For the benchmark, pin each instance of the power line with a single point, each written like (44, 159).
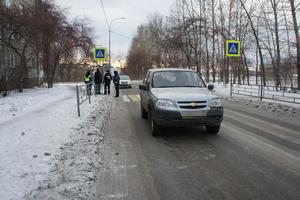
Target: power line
(101, 2)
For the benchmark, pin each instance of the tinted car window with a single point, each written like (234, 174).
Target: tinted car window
(177, 79)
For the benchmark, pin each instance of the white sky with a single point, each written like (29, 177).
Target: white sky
(135, 12)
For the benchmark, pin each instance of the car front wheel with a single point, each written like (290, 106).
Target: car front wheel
(155, 128)
(213, 129)
(144, 113)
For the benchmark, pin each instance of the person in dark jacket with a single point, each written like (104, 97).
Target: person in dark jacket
(88, 81)
(117, 82)
(98, 81)
(107, 80)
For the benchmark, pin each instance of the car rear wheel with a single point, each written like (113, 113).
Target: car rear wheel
(155, 128)
(213, 129)
(144, 113)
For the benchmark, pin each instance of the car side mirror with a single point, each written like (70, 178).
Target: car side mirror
(210, 86)
(144, 87)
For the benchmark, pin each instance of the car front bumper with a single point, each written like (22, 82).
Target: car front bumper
(212, 117)
(125, 85)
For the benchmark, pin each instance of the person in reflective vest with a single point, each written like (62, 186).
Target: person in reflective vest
(88, 81)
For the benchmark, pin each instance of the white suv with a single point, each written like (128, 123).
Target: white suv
(179, 97)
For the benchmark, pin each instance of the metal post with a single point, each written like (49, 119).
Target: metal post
(231, 84)
(109, 48)
(261, 85)
(78, 103)
(89, 91)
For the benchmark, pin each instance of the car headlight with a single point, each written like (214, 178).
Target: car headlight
(165, 104)
(215, 102)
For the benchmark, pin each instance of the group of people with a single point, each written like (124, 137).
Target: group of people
(107, 78)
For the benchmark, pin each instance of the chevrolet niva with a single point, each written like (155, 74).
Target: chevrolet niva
(179, 97)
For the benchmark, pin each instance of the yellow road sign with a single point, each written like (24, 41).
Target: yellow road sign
(100, 54)
(233, 48)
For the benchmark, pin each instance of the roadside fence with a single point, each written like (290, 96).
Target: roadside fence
(83, 93)
(284, 94)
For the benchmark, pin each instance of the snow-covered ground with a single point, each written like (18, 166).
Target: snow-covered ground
(40, 134)
(47, 152)
(290, 110)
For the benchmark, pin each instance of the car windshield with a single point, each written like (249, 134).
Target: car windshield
(177, 79)
(124, 78)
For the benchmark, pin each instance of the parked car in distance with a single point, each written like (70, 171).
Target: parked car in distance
(179, 97)
(125, 81)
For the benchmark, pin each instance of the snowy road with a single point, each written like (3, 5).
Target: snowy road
(47, 152)
(255, 156)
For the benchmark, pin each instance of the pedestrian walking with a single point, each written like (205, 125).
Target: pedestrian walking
(88, 81)
(107, 80)
(116, 82)
(98, 81)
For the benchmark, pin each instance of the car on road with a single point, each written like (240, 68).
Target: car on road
(179, 97)
(125, 81)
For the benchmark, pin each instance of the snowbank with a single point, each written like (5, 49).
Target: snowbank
(289, 110)
(74, 173)
(33, 126)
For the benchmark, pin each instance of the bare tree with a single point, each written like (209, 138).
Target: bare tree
(296, 30)
(40, 30)
(18, 33)
(262, 65)
(194, 36)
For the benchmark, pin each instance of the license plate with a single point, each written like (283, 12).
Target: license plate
(189, 117)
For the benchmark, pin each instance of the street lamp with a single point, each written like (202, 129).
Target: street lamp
(109, 61)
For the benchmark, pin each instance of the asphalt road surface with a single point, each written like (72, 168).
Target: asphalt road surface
(254, 156)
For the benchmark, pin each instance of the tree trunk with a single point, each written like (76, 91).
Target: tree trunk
(206, 42)
(276, 65)
(262, 66)
(247, 69)
(213, 41)
(293, 11)
(22, 72)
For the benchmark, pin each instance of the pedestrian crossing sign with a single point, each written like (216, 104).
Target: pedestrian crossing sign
(100, 53)
(233, 48)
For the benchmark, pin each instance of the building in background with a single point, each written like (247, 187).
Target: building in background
(9, 60)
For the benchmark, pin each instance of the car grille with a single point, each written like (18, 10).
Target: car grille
(192, 104)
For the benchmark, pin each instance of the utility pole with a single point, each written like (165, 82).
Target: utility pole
(109, 38)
